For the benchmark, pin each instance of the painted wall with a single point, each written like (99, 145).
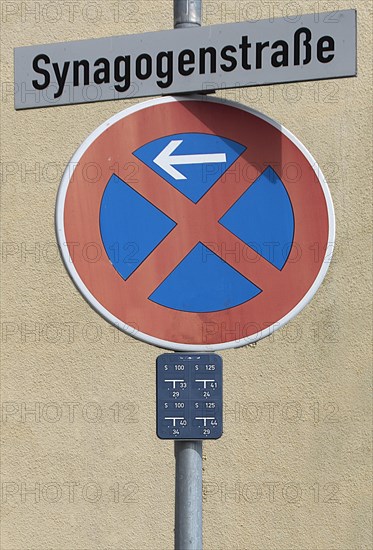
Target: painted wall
(82, 467)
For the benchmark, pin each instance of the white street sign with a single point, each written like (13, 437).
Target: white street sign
(251, 53)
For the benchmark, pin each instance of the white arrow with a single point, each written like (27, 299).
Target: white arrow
(167, 162)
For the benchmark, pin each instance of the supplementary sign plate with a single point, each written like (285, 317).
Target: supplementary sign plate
(189, 396)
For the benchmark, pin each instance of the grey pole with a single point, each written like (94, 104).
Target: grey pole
(188, 454)
(187, 13)
(188, 495)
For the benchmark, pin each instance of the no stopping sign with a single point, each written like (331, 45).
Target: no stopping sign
(194, 223)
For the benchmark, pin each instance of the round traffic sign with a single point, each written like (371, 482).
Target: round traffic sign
(195, 223)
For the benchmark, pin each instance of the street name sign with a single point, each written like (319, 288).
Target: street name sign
(251, 53)
(195, 224)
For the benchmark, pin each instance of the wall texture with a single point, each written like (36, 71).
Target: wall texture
(81, 465)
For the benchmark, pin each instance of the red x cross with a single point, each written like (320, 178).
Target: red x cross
(128, 301)
(195, 223)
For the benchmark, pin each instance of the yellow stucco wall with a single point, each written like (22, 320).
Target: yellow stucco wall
(292, 469)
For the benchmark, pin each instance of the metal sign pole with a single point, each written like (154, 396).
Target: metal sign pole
(188, 454)
(188, 495)
(187, 13)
